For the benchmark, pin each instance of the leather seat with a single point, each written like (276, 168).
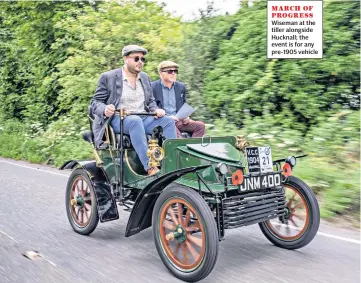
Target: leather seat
(88, 136)
(126, 140)
(186, 135)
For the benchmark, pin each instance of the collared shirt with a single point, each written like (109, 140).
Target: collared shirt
(169, 99)
(132, 99)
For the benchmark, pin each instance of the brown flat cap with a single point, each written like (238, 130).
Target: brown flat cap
(166, 65)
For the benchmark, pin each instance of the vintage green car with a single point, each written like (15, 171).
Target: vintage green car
(205, 186)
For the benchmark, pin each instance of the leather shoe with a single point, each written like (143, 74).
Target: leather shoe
(152, 171)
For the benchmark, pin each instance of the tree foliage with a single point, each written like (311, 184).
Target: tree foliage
(296, 92)
(28, 59)
(202, 39)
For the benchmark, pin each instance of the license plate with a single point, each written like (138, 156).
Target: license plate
(259, 159)
(253, 183)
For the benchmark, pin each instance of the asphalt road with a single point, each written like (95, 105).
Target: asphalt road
(33, 218)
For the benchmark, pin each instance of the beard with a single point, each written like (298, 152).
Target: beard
(134, 69)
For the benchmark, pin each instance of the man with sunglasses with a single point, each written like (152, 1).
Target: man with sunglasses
(129, 88)
(170, 95)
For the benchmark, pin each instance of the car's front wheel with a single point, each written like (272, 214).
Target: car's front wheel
(300, 223)
(185, 233)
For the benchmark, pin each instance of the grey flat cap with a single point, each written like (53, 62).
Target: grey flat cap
(132, 49)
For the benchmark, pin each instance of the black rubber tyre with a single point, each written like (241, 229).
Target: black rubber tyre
(195, 216)
(311, 218)
(89, 210)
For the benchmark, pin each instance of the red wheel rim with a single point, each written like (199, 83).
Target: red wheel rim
(187, 255)
(81, 213)
(298, 219)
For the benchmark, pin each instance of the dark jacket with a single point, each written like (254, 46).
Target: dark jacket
(180, 94)
(109, 91)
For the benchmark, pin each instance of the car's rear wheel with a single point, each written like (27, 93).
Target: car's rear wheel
(300, 223)
(185, 233)
(80, 202)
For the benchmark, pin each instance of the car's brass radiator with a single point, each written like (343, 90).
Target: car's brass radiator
(250, 208)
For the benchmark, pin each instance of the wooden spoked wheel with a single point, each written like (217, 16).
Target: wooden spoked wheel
(182, 234)
(80, 202)
(299, 224)
(295, 221)
(185, 233)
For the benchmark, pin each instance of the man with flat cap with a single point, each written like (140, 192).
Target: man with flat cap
(129, 88)
(170, 95)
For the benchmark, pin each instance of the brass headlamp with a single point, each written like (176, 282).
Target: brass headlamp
(242, 143)
(155, 153)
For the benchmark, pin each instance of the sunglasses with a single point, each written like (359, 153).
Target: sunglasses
(137, 58)
(171, 72)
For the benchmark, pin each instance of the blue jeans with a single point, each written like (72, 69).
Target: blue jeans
(138, 126)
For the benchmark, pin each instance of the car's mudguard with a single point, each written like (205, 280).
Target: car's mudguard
(107, 206)
(141, 215)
